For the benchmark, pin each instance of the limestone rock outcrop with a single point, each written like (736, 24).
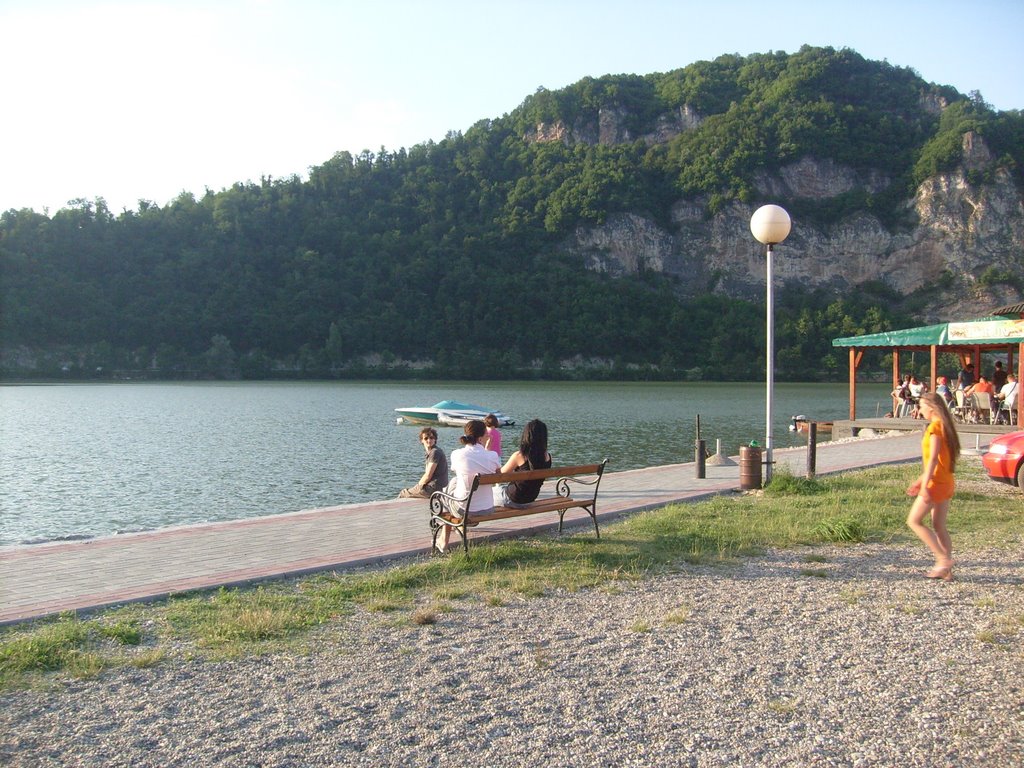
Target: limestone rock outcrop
(964, 224)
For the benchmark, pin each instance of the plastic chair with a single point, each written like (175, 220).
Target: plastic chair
(983, 407)
(1009, 407)
(960, 409)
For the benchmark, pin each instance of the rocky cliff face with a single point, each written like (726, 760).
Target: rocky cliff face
(962, 231)
(608, 126)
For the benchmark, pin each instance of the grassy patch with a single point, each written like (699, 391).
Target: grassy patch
(782, 706)
(542, 657)
(148, 659)
(1002, 630)
(123, 632)
(852, 596)
(785, 483)
(678, 615)
(53, 646)
(229, 618)
(862, 506)
(423, 616)
(840, 529)
(817, 573)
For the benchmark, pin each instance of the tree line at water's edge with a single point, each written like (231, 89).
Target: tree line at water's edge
(446, 260)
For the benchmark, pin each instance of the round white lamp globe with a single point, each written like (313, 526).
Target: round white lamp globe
(770, 224)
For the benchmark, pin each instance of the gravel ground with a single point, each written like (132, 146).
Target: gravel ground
(776, 661)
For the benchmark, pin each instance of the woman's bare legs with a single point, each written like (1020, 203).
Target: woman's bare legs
(937, 541)
(939, 514)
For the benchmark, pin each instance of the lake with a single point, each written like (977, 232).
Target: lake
(83, 460)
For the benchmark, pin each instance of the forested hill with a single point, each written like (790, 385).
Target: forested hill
(599, 230)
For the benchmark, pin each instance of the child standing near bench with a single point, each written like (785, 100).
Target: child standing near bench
(532, 454)
(492, 437)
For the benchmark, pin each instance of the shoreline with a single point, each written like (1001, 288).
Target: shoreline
(76, 538)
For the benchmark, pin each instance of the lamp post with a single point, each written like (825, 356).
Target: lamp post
(770, 225)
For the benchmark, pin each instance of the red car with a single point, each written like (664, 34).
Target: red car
(1005, 459)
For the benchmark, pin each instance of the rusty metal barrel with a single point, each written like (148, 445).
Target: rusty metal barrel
(750, 467)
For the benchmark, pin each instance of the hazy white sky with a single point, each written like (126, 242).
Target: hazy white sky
(140, 99)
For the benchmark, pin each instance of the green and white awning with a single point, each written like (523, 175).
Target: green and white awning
(988, 331)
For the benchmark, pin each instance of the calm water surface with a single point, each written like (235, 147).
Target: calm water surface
(95, 459)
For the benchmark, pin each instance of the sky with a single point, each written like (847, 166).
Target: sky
(131, 100)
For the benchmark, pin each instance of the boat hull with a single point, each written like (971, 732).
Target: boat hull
(802, 425)
(449, 413)
(420, 417)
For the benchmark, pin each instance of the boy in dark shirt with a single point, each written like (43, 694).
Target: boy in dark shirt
(435, 473)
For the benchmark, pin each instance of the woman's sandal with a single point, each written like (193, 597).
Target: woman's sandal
(944, 572)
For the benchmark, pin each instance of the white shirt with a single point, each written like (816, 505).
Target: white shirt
(1009, 392)
(468, 462)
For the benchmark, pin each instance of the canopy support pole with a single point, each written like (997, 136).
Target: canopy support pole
(855, 358)
(897, 379)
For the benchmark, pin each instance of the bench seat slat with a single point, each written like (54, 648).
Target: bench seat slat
(533, 508)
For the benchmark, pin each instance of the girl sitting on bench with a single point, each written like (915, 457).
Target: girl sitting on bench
(532, 454)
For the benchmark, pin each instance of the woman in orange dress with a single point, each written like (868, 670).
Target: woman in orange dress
(934, 488)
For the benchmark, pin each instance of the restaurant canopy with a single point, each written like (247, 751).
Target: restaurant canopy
(1001, 333)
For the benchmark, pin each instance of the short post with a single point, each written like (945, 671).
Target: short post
(700, 456)
(812, 449)
(750, 467)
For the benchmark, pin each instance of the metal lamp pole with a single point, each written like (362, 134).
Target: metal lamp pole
(770, 225)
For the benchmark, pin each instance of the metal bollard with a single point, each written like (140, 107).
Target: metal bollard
(812, 449)
(700, 456)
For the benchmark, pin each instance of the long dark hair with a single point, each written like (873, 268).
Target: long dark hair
(474, 431)
(941, 412)
(534, 442)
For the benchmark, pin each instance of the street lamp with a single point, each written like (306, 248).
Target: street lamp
(770, 225)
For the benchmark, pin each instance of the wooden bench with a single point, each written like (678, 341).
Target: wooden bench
(445, 508)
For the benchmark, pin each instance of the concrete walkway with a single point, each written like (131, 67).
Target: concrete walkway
(44, 579)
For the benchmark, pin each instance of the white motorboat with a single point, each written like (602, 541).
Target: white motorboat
(449, 413)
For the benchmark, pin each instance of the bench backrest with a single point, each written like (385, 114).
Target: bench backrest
(539, 474)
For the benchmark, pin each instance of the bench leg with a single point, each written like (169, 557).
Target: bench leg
(435, 529)
(437, 526)
(592, 511)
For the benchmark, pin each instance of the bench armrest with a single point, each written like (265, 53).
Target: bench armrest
(562, 486)
(441, 503)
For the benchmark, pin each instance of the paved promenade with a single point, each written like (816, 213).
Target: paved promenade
(44, 579)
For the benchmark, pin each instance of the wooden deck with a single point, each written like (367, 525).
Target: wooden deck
(848, 428)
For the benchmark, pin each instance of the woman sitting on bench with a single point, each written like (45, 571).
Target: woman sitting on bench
(468, 462)
(532, 454)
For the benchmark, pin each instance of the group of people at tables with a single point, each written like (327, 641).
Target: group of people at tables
(480, 454)
(998, 407)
